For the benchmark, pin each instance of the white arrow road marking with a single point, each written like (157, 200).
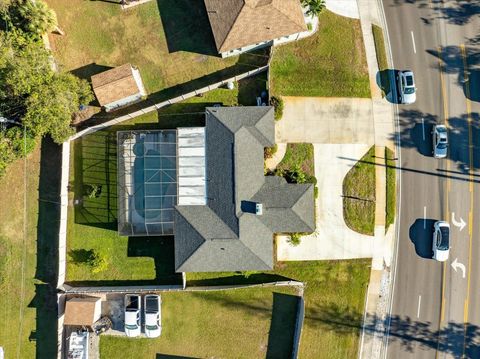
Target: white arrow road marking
(460, 224)
(456, 265)
(413, 41)
(419, 302)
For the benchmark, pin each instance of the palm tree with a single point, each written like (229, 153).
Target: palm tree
(36, 17)
(315, 7)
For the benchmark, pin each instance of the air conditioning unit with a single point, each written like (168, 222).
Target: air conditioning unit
(258, 209)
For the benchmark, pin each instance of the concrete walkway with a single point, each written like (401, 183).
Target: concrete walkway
(271, 163)
(379, 289)
(347, 8)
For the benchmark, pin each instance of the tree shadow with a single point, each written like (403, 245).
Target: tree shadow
(161, 249)
(282, 325)
(457, 13)
(186, 26)
(48, 225)
(421, 235)
(251, 88)
(95, 164)
(411, 334)
(168, 356)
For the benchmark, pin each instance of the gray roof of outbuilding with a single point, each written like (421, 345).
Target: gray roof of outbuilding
(226, 234)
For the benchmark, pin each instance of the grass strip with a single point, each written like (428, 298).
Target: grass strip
(391, 190)
(359, 195)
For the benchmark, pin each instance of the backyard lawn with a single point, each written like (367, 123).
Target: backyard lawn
(28, 263)
(170, 41)
(243, 323)
(330, 63)
(334, 301)
(92, 222)
(359, 195)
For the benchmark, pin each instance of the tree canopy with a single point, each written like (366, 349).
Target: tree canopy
(31, 91)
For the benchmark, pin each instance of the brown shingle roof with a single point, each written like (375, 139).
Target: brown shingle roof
(80, 311)
(238, 23)
(114, 84)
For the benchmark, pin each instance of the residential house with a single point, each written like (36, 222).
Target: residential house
(243, 25)
(210, 192)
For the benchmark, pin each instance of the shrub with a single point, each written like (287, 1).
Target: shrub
(270, 151)
(315, 7)
(309, 26)
(92, 190)
(315, 192)
(277, 103)
(295, 239)
(96, 260)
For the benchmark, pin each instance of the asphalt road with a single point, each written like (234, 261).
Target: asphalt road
(436, 309)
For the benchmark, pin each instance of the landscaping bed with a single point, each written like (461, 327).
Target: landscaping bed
(241, 323)
(359, 195)
(330, 63)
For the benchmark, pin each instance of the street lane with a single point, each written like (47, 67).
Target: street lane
(427, 40)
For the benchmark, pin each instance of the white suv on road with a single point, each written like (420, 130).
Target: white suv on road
(406, 87)
(441, 241)
(440, 141)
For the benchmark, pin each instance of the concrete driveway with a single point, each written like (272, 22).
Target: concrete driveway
(332, 239)
(326, 120)
(341, 130)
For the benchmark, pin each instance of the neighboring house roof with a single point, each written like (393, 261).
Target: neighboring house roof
(239, 23)
(82, 311)
(226, 234)
(115, 84)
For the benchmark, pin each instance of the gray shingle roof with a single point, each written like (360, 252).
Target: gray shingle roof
(226, 234)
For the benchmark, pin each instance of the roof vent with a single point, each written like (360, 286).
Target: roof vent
(259, 209)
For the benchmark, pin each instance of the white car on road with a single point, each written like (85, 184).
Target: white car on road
(441, 241)
(406, 87)
(440, 141)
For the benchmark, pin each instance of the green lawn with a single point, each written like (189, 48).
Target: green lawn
(359, 195)
(391, 187)
(334, 299)
(92, 222)
(170, 41)
(244, 323)
(330, 63)
(381, 58)
(28, 264)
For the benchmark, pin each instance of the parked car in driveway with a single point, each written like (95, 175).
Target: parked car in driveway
(441, 241)
(406, 87)
(133, 305)
(440, 141)
(153, 315)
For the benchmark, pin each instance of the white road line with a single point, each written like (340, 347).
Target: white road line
(419, 302)
(424, 217)
(423, 129)
(413, 41)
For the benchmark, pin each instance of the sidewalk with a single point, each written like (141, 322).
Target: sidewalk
(379, 289)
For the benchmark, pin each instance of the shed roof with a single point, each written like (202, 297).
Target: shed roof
(239, 23)
(115, 84)
(81, 311)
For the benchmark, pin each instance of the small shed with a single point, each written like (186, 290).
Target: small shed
(82, 311)
(118, 87)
